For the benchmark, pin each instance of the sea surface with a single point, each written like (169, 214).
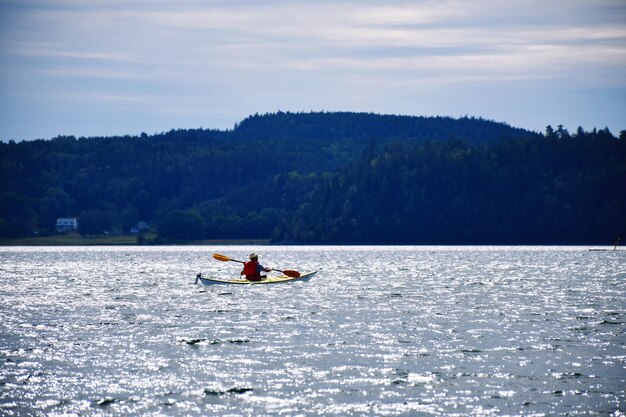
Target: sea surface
(379, 331)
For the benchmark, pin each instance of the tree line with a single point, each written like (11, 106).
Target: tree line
(556, 189)
(324, 178)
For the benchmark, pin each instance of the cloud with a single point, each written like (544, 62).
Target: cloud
(50, 50)
(327, 36)
(219, 54)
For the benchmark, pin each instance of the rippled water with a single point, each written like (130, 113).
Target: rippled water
(378, 331)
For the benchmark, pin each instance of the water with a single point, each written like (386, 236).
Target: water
(379, 331)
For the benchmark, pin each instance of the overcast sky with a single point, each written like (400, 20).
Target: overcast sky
(105, 67)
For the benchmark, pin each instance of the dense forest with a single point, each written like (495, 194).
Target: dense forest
(326, 178)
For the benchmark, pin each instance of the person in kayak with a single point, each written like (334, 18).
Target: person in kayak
(252, 269)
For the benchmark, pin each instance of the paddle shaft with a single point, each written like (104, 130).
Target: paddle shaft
(288, 272)
(271, 269)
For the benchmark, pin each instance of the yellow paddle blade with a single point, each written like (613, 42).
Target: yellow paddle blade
(221, 257)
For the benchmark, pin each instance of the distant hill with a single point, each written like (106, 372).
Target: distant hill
(320, 177)
(520, 191)
(341, 126)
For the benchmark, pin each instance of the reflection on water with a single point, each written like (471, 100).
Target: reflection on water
(378, 331)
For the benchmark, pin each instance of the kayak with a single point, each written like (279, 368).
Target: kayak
(279, 279)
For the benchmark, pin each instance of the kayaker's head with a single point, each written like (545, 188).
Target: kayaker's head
(253, 256)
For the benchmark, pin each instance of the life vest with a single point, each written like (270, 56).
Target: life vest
(250, 269)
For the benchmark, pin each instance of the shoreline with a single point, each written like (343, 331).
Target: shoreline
(131, 241)
(150, 239)
(74, 239)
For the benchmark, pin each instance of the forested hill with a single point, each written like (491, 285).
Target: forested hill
(326, 178)
(364, 126)
(525, 191)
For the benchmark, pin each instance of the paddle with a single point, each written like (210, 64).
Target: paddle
(289, 272)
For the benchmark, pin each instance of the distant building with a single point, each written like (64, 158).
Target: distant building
(69, 224)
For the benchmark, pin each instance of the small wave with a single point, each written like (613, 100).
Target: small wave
(471, 351)
(192, 341)
(238, 341)
(105, 402)
(612, 322)
(235, 390)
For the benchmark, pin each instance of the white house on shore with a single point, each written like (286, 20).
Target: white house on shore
(69, 224)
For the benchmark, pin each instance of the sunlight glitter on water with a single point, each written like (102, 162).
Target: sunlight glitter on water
(379, 331)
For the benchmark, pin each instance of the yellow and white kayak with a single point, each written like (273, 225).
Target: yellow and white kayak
(242, 281)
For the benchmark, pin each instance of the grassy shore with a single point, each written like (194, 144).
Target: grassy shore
(71, 239)
(74, 239)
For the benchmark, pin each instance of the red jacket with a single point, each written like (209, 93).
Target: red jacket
(251, 270)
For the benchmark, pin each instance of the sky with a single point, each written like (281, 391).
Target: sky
(112, 67)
